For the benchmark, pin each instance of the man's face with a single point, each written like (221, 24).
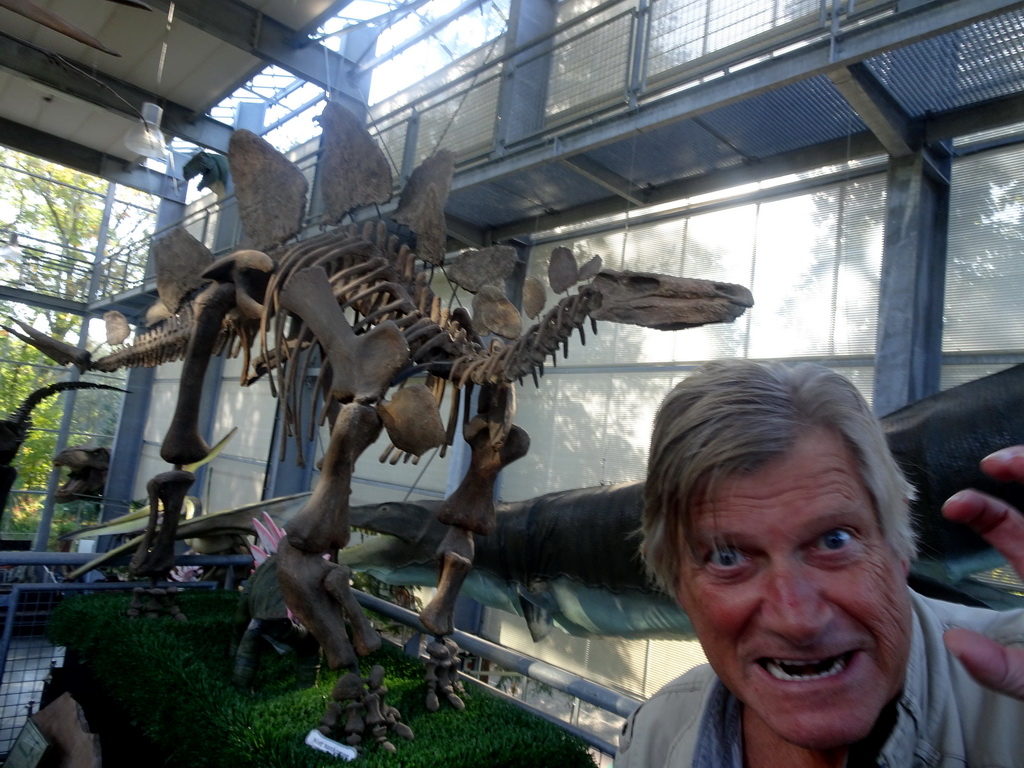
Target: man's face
(800, 603)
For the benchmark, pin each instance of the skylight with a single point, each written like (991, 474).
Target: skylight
(415, 38)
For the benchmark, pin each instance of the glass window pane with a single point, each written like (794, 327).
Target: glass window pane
(984, 268)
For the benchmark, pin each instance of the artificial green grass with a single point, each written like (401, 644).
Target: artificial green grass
(173, 680)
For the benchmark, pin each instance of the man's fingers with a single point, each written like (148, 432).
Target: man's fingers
(1005, 464)
(999, 523)
(1002, 526)
(992, 665)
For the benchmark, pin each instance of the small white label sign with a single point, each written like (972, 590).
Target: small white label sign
(317, 740)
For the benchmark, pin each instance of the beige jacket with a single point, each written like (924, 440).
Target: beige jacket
(944, 719)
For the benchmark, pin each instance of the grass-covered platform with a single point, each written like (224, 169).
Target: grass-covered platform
(171, 680)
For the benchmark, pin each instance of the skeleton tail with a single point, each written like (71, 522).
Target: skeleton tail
(164, 343)
(21, 416)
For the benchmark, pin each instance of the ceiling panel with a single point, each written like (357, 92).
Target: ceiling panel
(175, 64)
(90, 16)
(173, 61)
(775, 112)
(198, 90)
(19, 101)
(63, 116)
(179, 65)
(296, 14)
(106, 132)
(980, 62)
(784, 119)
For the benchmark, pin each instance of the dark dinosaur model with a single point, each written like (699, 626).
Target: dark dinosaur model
(262, 618)
(86, 477)
(571, 557)
(15, 428)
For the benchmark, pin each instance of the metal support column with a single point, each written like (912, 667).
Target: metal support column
(524, 83)
(42, 536)
(127, 450)
(909, 355)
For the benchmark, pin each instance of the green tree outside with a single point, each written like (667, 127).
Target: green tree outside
(51, 219)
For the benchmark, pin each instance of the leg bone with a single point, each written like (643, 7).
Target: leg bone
(322, 524)
(155, 554)
(456, 557)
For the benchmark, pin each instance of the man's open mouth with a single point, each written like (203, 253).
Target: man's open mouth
(789, 670)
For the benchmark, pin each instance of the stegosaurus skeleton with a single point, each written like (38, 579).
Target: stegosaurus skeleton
(295, 301)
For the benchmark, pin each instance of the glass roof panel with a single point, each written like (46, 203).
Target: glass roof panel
(415, 39)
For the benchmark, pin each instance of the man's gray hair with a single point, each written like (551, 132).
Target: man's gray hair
(735, 416)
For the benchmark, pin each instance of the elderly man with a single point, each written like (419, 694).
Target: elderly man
(776, 515)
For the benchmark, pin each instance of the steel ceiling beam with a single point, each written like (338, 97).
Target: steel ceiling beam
(31, 298)
(814, 59)
(328, 13)
(465, 234)
(81, 81)
(982, 116)
(836, 152)
(423, 34)
(264, 37)
(601, 175)
(878, 109)
(63, 152)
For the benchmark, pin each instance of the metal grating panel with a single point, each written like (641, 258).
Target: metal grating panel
(530, 193)
(463, 123)
(29, 657)
(669, 153)
(685, 30)
(491, 204)
(785, 119)
(589, 67)
(980, 62)
(29, 663)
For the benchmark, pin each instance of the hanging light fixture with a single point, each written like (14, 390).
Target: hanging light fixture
(10, 251)
(146, 138)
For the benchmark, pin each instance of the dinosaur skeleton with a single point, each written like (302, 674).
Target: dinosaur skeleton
(355, 302)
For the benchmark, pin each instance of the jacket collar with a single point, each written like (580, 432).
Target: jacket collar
(905, 745)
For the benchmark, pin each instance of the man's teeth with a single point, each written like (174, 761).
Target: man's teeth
(805, 670)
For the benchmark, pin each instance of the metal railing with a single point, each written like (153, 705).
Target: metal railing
(28, 604)
(460, 106)
(606, 59)
(534, 669)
